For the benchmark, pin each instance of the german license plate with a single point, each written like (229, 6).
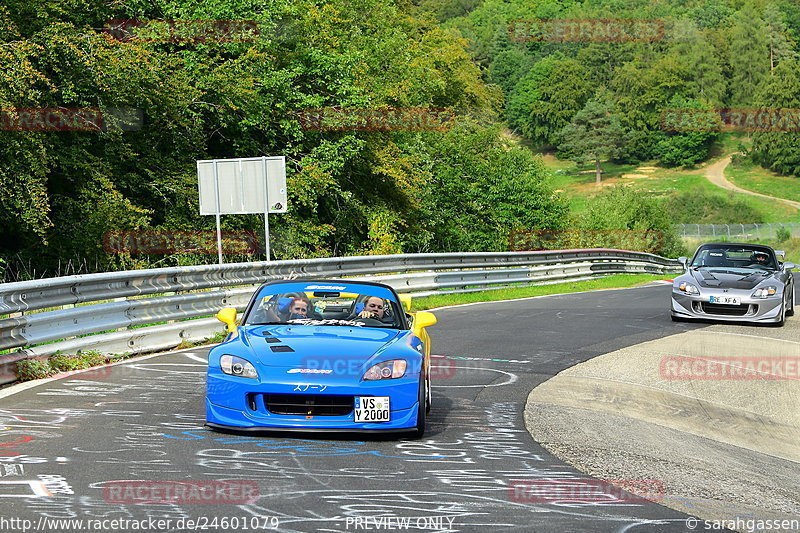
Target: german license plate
(372, 409)
(727, 300)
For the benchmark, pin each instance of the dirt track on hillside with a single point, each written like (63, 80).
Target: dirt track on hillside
(715, 172)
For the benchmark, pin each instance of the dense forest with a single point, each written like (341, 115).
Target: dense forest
(706, 55)
(460, 188)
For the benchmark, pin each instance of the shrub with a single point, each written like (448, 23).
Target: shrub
(92, 358)
(621, 208)
(709, 208)
(783, 234)
(65, 363)
(29, 369)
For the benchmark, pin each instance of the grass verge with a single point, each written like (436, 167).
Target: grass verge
(757, 179)
(616, 281)
(29, 369)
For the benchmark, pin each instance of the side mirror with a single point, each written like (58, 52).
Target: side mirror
(789, 266)
(423, 319)
(227, 315)
(683, 261)
(405, 299)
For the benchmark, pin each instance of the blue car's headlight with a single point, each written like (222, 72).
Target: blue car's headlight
(387, 370)
(764, 292)
(236, 366)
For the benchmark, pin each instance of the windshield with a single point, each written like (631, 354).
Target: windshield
(734, 257)
(334, 304)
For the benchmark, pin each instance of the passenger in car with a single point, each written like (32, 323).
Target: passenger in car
(298, 308)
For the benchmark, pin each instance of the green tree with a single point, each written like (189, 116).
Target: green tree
(695, 135)
(508, 67)
(701, 67)
(780, 47)
(594, 133)
(480, 189)
(749, 55)
(562, 93)
(780, 150)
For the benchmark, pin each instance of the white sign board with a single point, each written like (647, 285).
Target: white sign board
(242, 186)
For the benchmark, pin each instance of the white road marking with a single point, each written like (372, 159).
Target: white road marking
(511, 379)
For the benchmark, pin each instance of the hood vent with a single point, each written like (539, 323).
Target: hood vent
(281, 348)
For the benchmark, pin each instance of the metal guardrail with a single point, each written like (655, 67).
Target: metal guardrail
(106, 326)
(737, 231)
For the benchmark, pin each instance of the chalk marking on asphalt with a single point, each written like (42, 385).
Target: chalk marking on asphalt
(195, 357)
(20, 387)
(465, 358)
(511, 379)
(146, 365)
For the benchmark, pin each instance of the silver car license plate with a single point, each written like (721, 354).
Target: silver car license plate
(727, 300)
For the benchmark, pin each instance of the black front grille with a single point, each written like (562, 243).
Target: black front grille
(725, 310)
(308, 404)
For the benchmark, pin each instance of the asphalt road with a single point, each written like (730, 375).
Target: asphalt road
(476, 468)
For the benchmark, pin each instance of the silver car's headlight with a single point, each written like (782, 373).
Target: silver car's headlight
(387, 370)
(688, 288)
(765, 292)
(236, 366)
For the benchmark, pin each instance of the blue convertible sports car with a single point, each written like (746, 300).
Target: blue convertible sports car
(317, 355)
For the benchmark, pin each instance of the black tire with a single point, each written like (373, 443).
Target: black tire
(419, 430)
(790, 309)
(428, 399)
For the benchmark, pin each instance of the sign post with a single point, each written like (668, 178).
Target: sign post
(242, 186)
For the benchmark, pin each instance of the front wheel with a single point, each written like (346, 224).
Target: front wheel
(790, 309)
(419, 430)
(428, 398)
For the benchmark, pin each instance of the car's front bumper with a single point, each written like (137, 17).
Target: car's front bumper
(225, 418)
(698, 307)
(230, 404)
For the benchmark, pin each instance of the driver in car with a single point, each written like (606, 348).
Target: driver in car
(373, 308)
(759, 258)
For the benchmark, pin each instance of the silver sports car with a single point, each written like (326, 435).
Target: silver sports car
(734, 282)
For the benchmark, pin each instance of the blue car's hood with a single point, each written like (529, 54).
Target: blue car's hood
(315, 346)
